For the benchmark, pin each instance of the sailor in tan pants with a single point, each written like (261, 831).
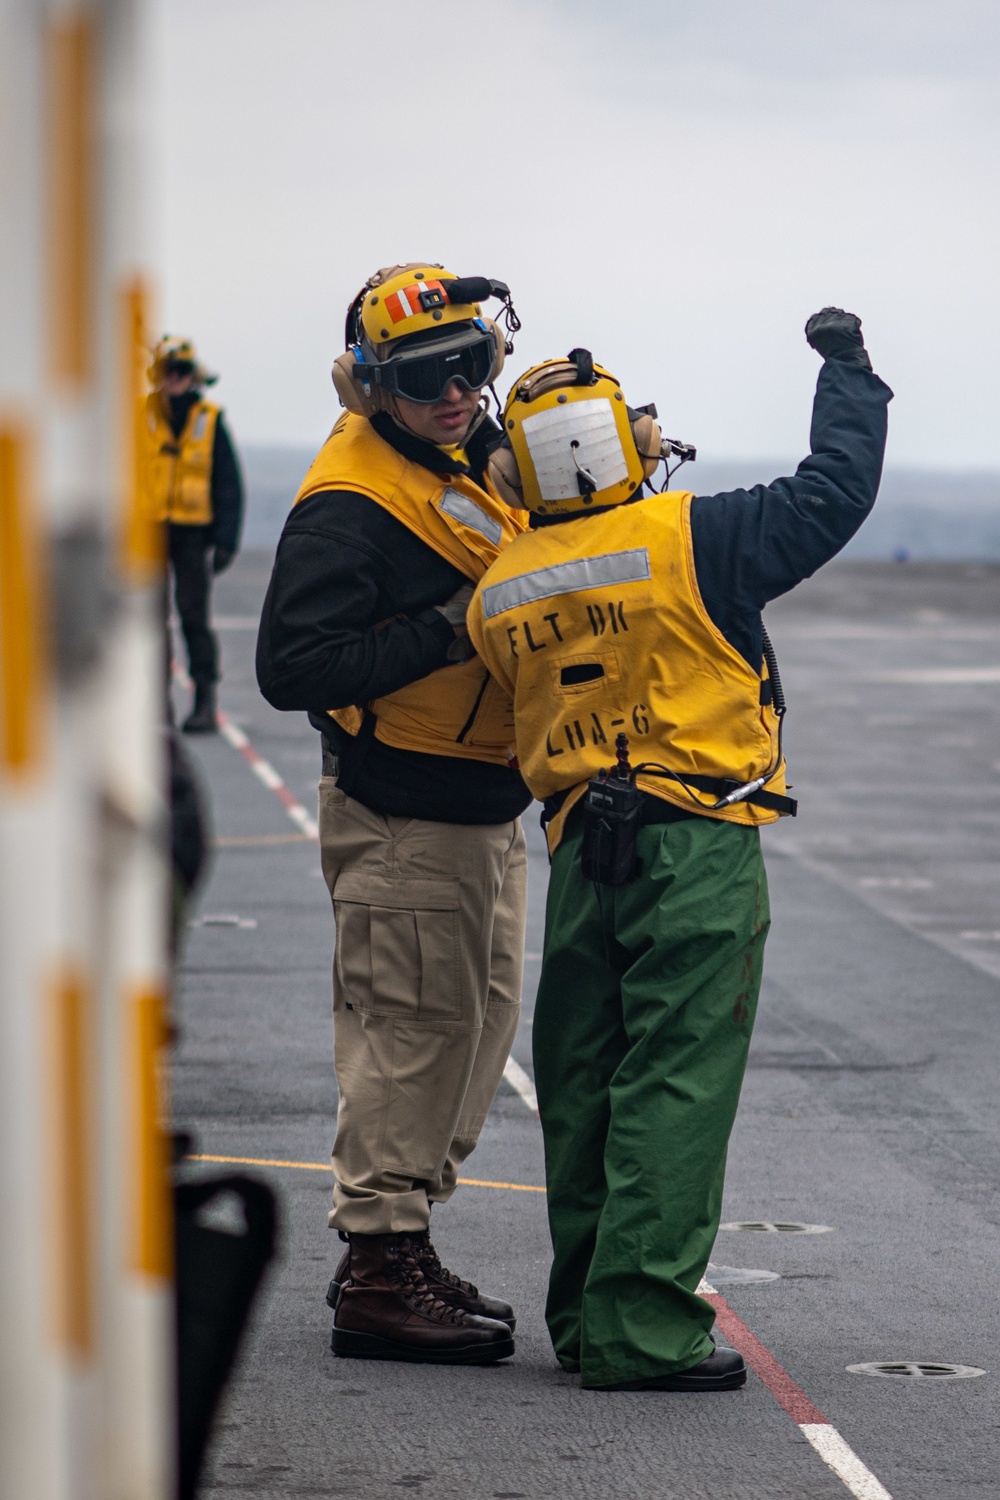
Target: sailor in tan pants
(364, 626)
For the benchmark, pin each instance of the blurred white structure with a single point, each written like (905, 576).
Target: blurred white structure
(86, 1376)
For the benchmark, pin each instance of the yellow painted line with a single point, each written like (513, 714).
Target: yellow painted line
(324, 1166)
(244, 840)
(515, 1187)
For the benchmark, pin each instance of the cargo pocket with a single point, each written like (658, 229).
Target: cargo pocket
(397, 946)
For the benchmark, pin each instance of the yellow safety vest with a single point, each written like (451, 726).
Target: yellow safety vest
(596, 626)
(180, 468)
(457, 710)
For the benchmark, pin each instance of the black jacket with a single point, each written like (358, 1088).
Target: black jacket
(343, 566)
(750, 546)
(226, 482)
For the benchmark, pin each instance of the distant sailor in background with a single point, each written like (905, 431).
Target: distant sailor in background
(198, 491)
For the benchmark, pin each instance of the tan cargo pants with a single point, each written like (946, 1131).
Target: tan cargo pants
(426, 997)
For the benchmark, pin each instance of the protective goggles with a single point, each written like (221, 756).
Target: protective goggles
(423, 375)
(179, 367)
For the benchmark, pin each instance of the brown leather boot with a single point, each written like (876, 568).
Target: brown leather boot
(443, 1283)
(386, 1309)
(451, 1288)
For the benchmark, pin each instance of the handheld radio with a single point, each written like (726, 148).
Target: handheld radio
(611, 822)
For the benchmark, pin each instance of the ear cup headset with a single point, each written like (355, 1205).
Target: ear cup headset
(413, 329)
(571, 442)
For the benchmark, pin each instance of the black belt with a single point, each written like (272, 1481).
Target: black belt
(659, 810)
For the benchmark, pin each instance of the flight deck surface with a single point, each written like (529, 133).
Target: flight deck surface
(869, 1109)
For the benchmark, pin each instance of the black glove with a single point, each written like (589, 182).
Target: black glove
(221, 560)
(837, 335)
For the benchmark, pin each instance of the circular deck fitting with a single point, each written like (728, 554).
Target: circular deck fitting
(919, 1369)
(784, 1227)
(737, 1276)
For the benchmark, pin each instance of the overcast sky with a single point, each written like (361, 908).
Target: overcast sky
(674, 185)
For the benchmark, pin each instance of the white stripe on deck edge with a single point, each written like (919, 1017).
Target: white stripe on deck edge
(844, 1462)
(265, 772)
(308, 825)
(229, 731)
(521, 1084)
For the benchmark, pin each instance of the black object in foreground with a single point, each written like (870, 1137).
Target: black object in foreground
(219, 1269)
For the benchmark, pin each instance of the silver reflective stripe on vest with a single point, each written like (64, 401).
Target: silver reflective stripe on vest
(567, 578)
(201, 421)
(454, 503)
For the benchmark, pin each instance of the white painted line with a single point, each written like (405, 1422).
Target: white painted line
(844, 1462)
(230, 732)
(938, 675)
(521, 1084)
(308, 825)
(268, 775)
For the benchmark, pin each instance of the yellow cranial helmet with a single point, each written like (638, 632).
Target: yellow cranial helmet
(178, 355)
(413, 329)
(571, 441)
(405, 300)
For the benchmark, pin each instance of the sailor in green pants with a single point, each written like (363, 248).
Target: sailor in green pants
(641, 1031)
(628, 624)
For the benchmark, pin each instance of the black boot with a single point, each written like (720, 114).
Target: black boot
(387, 1310)
(442, 1282)
(722, 1370)
(201, 719)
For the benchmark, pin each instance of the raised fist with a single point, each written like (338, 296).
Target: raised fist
(837, 335)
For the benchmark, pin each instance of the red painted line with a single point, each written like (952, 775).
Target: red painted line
(764, 1365)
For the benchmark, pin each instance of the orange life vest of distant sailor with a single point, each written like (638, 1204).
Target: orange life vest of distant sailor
(458, 710)
(180, 468)
(597, 626)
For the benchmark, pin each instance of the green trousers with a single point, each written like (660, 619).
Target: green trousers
(642, 1024)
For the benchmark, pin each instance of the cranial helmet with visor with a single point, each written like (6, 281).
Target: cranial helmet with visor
(412, 330)
(178, 356)
(572, 443)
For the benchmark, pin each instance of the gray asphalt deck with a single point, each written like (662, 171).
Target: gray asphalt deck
(870, 1106)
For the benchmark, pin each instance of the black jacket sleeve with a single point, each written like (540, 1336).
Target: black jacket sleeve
(750, 546)
(227, 491)
(349, 614)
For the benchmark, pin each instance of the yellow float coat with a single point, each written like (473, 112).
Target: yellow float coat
(596, 626)
(180, 468)
(457, 710)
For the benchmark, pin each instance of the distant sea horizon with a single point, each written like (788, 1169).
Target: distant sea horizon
(922, 514)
